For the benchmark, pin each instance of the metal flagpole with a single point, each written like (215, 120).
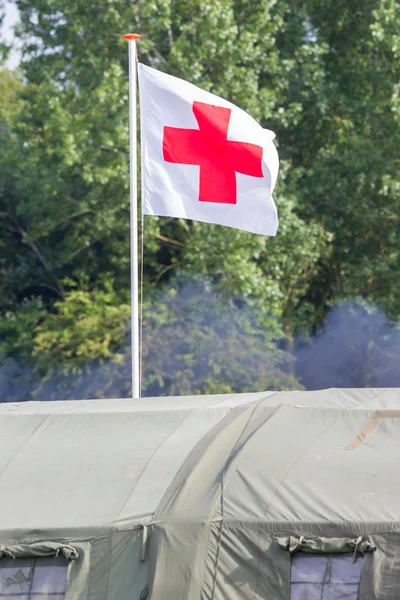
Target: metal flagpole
(132, 37)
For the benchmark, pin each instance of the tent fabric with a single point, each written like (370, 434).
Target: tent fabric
(217, 523)
(213, 482)
(90, 474)
(124, 453)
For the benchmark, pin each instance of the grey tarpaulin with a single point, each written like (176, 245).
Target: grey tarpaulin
(188, 496)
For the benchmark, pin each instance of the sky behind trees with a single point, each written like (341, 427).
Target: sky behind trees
(7, 32)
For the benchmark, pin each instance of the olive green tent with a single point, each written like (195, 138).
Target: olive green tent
(254, 496)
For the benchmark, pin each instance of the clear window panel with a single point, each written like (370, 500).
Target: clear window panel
(305, 591)
(46, 597)
(50, 576)
(340, 591)
(344, 570)
(325, 577)
(15, 576)
(308, 568)
(33, 579)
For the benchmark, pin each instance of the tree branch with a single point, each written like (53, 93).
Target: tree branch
(69, 218)
(168, 241)
(79, 250)
(38, 253)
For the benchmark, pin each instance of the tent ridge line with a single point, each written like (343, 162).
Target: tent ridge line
(368, 527)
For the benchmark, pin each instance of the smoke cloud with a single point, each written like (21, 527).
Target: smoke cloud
(197, 343)
(357, 347)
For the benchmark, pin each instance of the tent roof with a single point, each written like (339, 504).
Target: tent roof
(86, 466)
(330, 463)
(74, 467)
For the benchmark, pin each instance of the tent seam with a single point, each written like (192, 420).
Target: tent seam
(147, 464)
(109, 543)
(371, 399)
(279, 487)
(42, 424)
(224, 472)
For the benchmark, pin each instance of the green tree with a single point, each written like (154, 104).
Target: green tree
(346, 170)
(323, 75)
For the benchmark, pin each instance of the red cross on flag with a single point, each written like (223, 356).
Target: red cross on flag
(204, 158)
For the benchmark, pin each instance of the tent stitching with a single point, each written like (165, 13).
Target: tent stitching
(109, 541)
(279, 487)
(41, 424)
(233, 454)
(150, 458)
(370, 399)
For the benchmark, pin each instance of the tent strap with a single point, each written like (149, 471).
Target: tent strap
(39, 549)
(325, 545)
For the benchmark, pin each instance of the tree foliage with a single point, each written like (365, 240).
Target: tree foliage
(223, 310)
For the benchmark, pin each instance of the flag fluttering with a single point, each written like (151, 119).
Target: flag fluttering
(204, 158)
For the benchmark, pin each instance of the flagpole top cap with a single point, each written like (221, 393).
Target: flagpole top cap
(131, 36)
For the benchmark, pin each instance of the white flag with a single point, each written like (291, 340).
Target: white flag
(203, 158)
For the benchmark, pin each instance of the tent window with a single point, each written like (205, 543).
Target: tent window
(325, 577)
(33, 578)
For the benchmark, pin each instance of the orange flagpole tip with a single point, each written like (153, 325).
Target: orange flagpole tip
(131, 36)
